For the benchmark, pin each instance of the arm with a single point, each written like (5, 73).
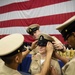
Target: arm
(25, 53)
(46, 65)
(58, 45)
(63, 59)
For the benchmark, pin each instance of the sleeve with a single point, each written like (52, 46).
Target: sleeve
(70, 70)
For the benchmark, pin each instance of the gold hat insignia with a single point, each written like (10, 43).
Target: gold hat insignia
(66, 30)
(40, 37)
(18, 51)
(30, 30)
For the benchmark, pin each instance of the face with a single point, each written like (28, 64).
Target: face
(35, 34)
(42, 49)
(71, 40)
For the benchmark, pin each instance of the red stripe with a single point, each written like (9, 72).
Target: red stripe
(28, 5)
(29, 38)
(47, 20)
(59, 36)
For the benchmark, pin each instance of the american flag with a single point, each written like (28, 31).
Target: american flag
(16, 15)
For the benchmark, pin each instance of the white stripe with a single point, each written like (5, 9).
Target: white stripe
(64, 7)
(6, 2)
(49, 29)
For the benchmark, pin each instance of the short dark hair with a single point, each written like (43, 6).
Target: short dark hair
(8, 60)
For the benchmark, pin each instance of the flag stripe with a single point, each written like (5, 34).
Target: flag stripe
(28, 5)
(28, 38)
(47, 20)
(17, 15)
(59, 8)
(3, 2)
(49, 29)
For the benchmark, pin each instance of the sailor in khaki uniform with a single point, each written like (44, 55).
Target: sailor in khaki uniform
(34, 31)
(38, 60)
(67, 29)
(11, 48)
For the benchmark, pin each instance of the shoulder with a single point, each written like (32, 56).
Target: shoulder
(69, 68)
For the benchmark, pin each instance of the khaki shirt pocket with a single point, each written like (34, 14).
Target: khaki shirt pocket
(35, 67)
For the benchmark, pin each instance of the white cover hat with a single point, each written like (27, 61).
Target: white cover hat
(10, 43)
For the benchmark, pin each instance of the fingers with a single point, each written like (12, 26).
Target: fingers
(53, 71)
(49, 47)
(34, 44)
(58, 46)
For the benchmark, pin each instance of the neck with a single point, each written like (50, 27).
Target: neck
(13, 66)
(43, 56)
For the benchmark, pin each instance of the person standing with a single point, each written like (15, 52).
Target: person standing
(67, 29)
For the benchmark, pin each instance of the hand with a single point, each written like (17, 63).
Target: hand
(49, 47)
(53, 71)
(56, 55)
(34, 45)
(58, 46)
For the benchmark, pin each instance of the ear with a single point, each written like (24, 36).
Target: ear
(17, 59)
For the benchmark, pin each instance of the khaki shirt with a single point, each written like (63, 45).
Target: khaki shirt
(4, 70)
(69, 68)
(36, 66)
(1, 62)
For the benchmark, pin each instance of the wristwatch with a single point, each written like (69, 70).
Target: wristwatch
(29, 48)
